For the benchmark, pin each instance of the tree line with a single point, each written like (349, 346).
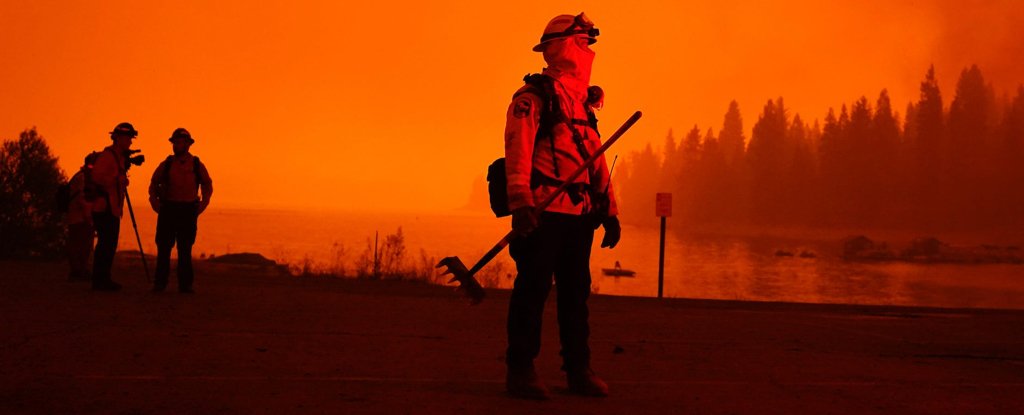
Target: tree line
(935, 167)
(31, 225)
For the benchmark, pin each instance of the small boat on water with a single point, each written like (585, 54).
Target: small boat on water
(618, 271)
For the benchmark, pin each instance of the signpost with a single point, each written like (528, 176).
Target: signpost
(662, 208)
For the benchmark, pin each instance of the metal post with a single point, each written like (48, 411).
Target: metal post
(376, 257)
(661, 261)
(142, 255)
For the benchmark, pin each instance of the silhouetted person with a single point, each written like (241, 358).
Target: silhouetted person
(109, 181)
(81, 234)
(174, 195)
(550, 131)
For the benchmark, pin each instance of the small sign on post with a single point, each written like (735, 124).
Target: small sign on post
(663, 205)
(662, 208)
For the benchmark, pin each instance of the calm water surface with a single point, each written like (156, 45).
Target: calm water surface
(713, 268)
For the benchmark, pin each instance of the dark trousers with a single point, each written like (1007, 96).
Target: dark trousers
(560, 246)
(80, 240)
(175, 224)
(108, 229)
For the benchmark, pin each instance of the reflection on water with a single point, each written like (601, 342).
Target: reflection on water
(714, 268)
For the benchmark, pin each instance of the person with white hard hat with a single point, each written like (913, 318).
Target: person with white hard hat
(550, 130)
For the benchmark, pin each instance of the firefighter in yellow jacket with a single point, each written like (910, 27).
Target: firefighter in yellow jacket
(174, 193)
(550, 130)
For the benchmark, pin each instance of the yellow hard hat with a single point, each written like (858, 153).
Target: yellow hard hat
(568, 25)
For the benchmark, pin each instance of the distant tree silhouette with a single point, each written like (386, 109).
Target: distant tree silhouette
(686, 190)
(800, 176)
(932, 168)
(733, 190)
(768, 155)
(908, 160)
(860, 167)
(833, 170)
(861, 176)
(888, 177)
(30, 224)
(1012, 137)
(711, 183)
(636, 195)
(973, 165)
(731, 138)
(668, 174)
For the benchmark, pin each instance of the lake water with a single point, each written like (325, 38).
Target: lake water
(731, 268)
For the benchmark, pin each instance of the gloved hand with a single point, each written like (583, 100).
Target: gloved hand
(612, 232)
(524, 220)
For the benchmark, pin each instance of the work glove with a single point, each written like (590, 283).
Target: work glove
(524, 220)
(612, 232)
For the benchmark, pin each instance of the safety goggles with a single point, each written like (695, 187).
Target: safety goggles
(581, 25)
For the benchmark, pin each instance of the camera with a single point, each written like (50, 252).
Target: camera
(136, 160)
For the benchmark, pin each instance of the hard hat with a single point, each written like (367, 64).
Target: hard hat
(568, 25)
(181, 133)
(124, 129)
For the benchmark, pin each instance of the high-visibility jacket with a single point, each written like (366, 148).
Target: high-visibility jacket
(180, 184)
(532, 156)
(109, 174)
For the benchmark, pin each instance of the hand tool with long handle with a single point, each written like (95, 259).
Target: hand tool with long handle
(467, 283)
(142, 255)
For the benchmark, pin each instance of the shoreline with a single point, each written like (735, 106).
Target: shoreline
(435, 280)
(273, 269)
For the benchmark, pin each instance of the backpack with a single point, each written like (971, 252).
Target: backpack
(91, 191)
(66, 192)
(550, 114)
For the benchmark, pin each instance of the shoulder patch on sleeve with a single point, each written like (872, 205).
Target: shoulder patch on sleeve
(523, 107)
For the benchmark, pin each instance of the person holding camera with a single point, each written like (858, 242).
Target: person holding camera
(174, 195)
(108, 181)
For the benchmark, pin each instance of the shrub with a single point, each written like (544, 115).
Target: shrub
(382, 258)
(30, 223)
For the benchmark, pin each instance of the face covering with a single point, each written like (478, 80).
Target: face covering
(569, 59)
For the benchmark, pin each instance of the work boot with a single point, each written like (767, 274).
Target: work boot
(525, 384)
(586, 383)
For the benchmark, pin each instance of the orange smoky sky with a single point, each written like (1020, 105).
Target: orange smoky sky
(400, 106)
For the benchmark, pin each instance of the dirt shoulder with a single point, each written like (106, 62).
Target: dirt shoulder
(255, 341)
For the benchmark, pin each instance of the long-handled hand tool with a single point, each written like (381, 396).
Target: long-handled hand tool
(142, 255)
(467, 283)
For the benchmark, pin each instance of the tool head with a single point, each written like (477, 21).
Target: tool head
(460, 273)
